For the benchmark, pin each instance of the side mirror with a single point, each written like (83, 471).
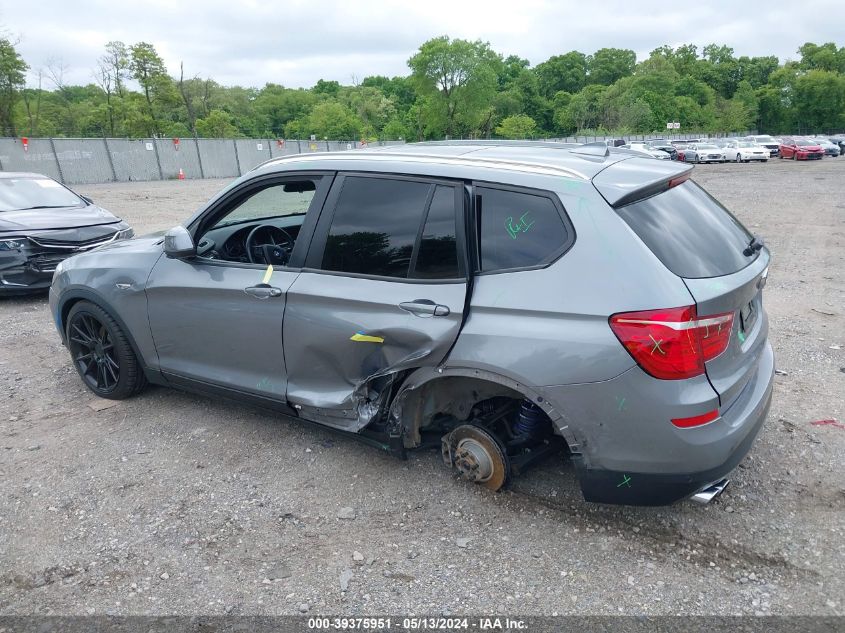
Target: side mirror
(178, 243)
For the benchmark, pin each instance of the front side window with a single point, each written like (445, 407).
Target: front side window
(260, 226)
(377, 229)
(517, 229)
(273, 202)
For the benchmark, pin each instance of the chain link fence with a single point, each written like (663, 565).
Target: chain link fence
(76, 161)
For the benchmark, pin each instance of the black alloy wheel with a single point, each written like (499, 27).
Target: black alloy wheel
(101, 353)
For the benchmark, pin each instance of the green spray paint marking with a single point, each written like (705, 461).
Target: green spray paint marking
(522, 226)
(741, 336)
(621, 403)
(626, 481)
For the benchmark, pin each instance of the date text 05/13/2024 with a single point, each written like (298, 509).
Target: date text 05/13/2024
(415, 623)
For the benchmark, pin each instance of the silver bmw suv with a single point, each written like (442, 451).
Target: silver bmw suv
(503, 302)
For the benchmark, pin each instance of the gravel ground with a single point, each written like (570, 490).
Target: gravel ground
(170, 503)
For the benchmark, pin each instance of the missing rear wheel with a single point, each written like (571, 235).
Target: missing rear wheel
(477, 456)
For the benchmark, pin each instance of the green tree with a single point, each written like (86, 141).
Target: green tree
(148, 69)
(585, 108)
(608, 65)
(394, 130)
(217, 124)
(518, 126)
(328, 88)
(566, 72)
(511, 68)
(819, 101)
(330, 119)
(458, 79)
(276, 106)
(825, 57)
(12, 76)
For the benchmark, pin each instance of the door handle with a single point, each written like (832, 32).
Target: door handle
(424, 307)
(263, 291)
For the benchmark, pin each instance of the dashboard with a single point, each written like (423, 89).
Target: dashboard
(228, 242)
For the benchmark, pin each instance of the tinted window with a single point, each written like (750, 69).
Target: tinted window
(518, 229)
(438, 253)
(690, 232)
(375, 225)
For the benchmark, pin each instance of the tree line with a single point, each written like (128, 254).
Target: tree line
(456, 88)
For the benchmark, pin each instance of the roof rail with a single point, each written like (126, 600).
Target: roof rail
(501, 142)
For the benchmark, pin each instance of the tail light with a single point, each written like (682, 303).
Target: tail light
(674, 343)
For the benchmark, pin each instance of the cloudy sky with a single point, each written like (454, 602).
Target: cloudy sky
(294, 42)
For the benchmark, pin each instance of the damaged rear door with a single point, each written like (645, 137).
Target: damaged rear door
(383, 290)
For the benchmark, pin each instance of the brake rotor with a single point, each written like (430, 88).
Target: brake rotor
(476, 454)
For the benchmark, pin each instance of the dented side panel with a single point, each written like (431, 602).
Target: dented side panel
(344, 336)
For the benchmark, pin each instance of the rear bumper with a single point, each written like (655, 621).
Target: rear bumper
(631, 454)
(649, 489)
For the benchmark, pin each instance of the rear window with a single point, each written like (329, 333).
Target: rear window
(690, 232)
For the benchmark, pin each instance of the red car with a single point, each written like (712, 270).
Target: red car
(799, 149)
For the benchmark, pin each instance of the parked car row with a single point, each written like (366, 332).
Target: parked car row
(760, 147)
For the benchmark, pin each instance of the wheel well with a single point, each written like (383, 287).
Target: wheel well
(420, 407)
(67, 306)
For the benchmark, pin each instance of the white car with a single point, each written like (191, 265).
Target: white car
(745, 151)
(704, 153)
(770, 143)
(642, 148)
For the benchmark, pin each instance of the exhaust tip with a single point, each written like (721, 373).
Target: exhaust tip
(707, 494)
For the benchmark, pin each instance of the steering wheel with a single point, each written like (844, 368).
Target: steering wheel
(268, 244)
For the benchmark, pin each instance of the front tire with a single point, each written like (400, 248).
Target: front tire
(101, 353)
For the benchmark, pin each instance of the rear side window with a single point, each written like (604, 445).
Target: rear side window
(375, 225)
(690, 232)
(393, 228)
(518, 229)
(438, 251)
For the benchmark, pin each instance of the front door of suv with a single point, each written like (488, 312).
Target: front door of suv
(216, 318)
(383, 289)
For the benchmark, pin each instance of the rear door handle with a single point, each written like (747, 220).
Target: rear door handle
(424, 308)
(263, 291)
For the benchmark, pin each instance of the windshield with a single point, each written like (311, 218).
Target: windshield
(746, 144)
(801, 143)
(35, 193)
(706, 146)
(764, 139)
